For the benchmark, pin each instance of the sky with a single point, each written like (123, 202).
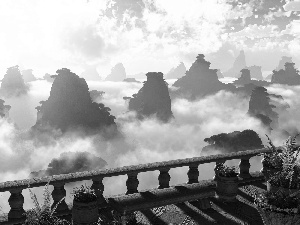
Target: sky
(145, 35)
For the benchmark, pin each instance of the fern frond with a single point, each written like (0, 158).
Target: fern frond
(56, 205)
(47, 198)
(37, 208)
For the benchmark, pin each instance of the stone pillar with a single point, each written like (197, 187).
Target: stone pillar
(16, 201)
(99, 188)
(193, 174)
(164, 178)
(58, 193)
(244, 167)
(132, 183)
(217, 163)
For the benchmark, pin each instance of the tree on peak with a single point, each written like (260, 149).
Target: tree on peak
(233, 142)
(13, 83)
(70, 106)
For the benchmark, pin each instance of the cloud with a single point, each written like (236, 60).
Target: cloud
(85, 41)
(292, 6)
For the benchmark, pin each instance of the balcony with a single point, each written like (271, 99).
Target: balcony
(192, 202)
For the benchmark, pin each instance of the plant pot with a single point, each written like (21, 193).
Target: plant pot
(278, 218)
(268, 172)
(227, 188)
(287, 191)
(85, 213)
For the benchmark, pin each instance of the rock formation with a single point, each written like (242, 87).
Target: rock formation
(260, 107)
(219, 73)
(176, 72)
(28, 75)
(282, 62)
(71, 162)
(244, 79)
(233, 142)
(238, 65)
(69, 106)
(13, 83)
(199, 81)
(255, 72)
(117, 73)
(96, 95)
(131, 80)
(289, 75)
(153, 98)
(49, 78)
(90, 73)
(4, 109)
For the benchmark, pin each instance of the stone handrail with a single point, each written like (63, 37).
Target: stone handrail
(16, 199)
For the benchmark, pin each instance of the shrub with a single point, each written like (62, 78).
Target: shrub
(84, 194)
(226, 171)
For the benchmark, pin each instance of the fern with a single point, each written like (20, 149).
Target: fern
(43, 215)
(290, 163)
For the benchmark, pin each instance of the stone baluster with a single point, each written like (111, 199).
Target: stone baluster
(16, 201)
(244, 167)
(99, 189)
(193, 174)
(57, 194)
(164, 178)
(217, 163)
(132, 183)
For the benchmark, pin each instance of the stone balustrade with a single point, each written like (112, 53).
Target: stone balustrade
(16, 200)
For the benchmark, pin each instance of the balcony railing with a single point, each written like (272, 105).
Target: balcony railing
(16, 199)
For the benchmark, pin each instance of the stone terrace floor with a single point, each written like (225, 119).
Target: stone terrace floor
(242, 211)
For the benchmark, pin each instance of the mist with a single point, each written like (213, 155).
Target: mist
(143, 141)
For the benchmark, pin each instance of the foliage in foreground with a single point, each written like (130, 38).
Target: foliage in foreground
(43, 215)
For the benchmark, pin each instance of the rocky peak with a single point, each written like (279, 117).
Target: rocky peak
(199, 81)
(153, 98)
(238, 65)
(117, 73)
(177, 72)
(70, 106)
(289, 75)
(13, 83)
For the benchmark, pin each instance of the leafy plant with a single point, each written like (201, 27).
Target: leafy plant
(43, 215)
(289, 175)
(226, 171)
(278, 201)
(84, 194)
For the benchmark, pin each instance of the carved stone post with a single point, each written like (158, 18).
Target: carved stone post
(132, 183)
(244, 167)
(217, 163)
(193, 174)
(99, 188)
(16, 201)
(164, 178)
(57, 194)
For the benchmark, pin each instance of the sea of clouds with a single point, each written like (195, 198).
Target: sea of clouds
(142, 142)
